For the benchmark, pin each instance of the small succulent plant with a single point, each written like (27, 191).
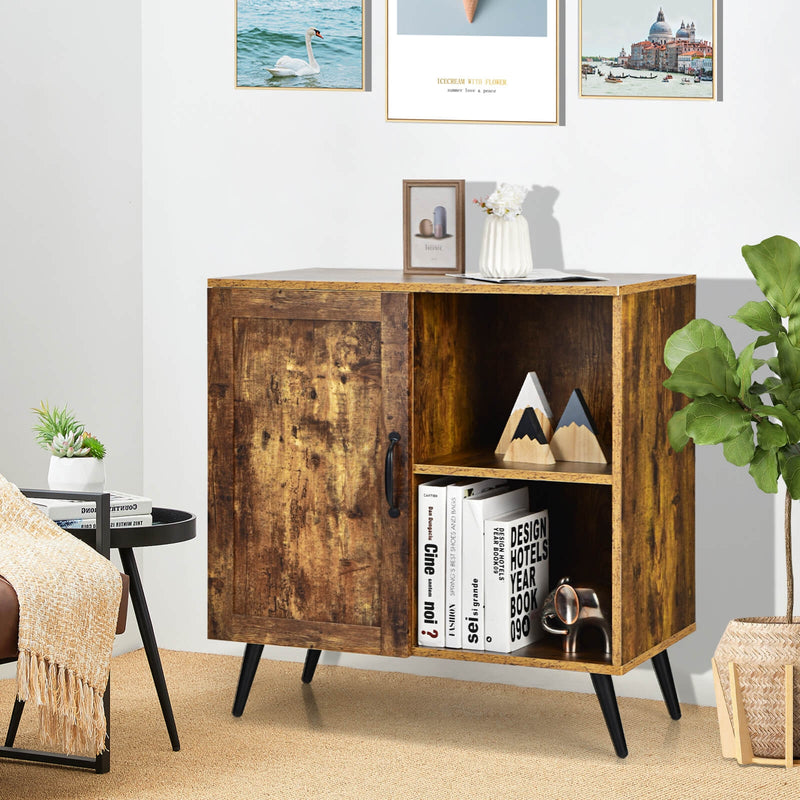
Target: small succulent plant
(58, 431)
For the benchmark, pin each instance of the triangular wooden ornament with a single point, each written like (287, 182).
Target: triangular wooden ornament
(532, 396)
(575, 437)
(529, 443)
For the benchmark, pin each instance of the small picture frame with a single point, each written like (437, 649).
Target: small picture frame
(433, 227)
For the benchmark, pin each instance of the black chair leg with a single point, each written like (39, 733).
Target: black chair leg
(604, 689)
(667, 684)
(312, 658)
(252, 655)
(16, 715)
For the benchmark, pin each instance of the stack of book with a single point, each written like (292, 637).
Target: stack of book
(482, 565)
(127, 511)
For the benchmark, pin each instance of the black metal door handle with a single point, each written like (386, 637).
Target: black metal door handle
(388, 474)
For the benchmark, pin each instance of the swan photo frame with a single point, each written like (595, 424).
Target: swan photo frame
(433, 227)
(472, 61)
(282, 45)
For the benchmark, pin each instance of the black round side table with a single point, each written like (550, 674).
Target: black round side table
(169, 527)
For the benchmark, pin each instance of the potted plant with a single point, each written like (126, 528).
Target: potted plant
(757, 422)
(76, 461)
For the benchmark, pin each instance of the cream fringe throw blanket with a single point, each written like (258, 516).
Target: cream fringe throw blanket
(69, 599)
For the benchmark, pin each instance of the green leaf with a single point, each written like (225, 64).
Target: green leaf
(775, 264)
(703, 372)
(698, 334)
(764, 469)
(789, 460)
(759, 316)
(676, 430)
(792, 402)
(790, 421)
(788, 361)
(741, 449)
(745, 367)
(770, 436)
(711, 420)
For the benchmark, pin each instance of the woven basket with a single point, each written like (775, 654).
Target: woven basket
(761, 647)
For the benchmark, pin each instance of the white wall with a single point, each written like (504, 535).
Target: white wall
(251, 181)
(70, 231)
(248, 181)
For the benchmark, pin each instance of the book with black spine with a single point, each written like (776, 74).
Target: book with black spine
(475, 511)
(517, 553)
(431, 561)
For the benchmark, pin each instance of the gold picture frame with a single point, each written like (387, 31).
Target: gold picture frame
(433, 227)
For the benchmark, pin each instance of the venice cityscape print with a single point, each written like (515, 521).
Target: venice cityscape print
(663, 49)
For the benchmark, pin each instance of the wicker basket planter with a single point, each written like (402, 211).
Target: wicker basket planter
(757, 678)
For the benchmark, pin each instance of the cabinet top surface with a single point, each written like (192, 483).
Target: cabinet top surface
(396, 281)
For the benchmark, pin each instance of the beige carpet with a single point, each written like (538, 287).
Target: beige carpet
(363, 735)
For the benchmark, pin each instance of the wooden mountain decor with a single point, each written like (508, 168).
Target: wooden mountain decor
(575, 438)
(530, 396)
(528, 443)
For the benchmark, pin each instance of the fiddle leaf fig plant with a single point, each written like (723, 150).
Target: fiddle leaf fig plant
(756, 420)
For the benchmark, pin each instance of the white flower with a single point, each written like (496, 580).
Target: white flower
(506, 200)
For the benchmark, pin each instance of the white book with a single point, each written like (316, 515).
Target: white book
(456, 494)
(475, 510)
(517, 565)
(122, 504)
(90, 523)
(431, 558)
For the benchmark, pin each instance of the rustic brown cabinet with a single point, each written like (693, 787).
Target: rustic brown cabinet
(334, 393)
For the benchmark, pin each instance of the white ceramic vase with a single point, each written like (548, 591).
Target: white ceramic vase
(76, 474)
(506, 247)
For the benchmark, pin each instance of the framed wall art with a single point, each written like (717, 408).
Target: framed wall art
(472, 61)
(282, 45)
(433, 227)
(663, 49)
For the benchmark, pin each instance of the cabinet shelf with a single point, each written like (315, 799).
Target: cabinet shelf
(546, 653)
(485, 464)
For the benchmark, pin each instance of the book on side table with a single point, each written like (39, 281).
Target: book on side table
(124, 506)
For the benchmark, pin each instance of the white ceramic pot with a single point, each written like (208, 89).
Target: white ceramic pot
(506, 247)
(76, 474)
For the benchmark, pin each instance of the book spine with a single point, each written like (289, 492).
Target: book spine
(529, 568)
(455, 497)
(496, 588)
(517, 578)
(74, 510)
(431, 565)
(90, 523)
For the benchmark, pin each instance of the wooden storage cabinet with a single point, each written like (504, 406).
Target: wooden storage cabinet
(309, 373)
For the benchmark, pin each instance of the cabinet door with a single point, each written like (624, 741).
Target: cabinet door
(304, 389)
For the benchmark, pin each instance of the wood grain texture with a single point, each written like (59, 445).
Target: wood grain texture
(381, 280)
(304, 433)
(654, 577)
(220, 462)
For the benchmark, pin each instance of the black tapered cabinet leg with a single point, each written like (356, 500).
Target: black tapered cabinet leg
(667, 684)
(604, 689)
(16, 715)
(312, 657)
(252, 655)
